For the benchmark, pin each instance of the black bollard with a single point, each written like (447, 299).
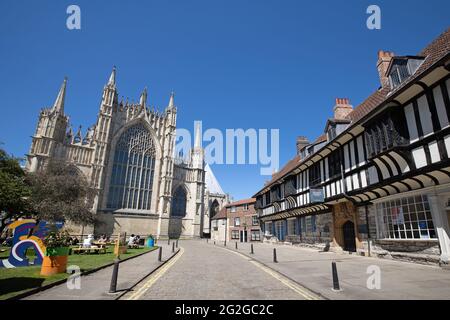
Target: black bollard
(225, 243)
(251, 249)
(275, 255)
(206, 240)
(214, 242)
(177, 244)
(335, 277)
(160, 254)
(173, 247)
(113, 285)
(236, 245)
(168, 241)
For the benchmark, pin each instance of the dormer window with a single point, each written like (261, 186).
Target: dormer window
(402, 68)
(331, 132)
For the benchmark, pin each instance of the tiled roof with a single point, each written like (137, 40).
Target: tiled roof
(241, 202)
(435, 51)
(432, 53)
(287, 168)
(321, 138)
(221, 215)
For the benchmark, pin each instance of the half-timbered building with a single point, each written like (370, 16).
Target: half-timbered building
(378, 180)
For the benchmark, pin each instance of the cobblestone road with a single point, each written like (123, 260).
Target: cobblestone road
(205, 271)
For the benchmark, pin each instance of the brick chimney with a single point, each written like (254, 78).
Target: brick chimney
(384, 58)
(342, 108)
(301, 143)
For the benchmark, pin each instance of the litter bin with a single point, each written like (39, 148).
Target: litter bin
(150, 242)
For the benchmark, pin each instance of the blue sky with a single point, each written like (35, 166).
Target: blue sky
(233, 64)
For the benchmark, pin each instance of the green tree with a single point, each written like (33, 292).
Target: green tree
(13, 189)
(60, 193)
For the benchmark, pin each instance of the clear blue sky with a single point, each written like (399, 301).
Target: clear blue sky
(233, 64)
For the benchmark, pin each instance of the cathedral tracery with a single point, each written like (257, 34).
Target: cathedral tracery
(133, 170)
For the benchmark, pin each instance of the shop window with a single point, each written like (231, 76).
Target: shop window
(255, 220)
(237, 222)
(234, 234)
(406, 218)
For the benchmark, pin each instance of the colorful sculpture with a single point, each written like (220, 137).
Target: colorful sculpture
(22, 242)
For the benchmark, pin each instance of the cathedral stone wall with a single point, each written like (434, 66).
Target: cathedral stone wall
(127, 158)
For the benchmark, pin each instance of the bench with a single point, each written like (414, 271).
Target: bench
(90, 250)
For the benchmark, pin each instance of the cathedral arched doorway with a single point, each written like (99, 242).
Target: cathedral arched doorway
(177, 212)
(131, 181)
(179, 199)
(348, 229)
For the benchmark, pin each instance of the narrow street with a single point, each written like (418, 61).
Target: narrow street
(204, 271)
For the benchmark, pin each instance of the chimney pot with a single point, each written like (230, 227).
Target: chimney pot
(342, 108)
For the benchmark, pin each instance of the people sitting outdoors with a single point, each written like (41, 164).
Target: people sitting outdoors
(133, 241)
(73, 241)
(87, 243)
(103, 239)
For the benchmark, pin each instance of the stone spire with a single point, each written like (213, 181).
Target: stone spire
(112, 77)
(198, 135)
(78, 136)
(171, 100)
(59, 102)
(143, 98)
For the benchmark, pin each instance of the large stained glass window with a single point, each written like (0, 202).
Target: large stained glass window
(133, 169)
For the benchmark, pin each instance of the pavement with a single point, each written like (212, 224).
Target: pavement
(202, 271)
(95, 286)
(208, 272)
(312, 269)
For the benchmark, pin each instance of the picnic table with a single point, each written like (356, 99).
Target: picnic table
(95, 248)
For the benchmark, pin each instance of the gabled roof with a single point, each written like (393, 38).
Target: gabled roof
(211, 182)
(222, 214)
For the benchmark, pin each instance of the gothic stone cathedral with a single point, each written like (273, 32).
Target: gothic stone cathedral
(128, 159)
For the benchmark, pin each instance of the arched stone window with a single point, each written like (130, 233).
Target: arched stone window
(179, 203)
(133, 168)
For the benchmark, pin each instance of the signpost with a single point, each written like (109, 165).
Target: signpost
(316, 195)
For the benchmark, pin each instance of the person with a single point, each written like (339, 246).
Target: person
(73, 241)
(87, 243)
(102, 238)
(131, 240)
(137, 239)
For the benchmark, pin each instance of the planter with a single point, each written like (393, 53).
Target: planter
(55, 261)
(150, 242)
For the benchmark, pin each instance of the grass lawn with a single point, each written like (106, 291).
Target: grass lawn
(18, 280)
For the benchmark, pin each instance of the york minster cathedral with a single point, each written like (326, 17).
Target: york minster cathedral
(128, 157)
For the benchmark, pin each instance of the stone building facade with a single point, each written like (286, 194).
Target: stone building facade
(127, 156)
(377, 181)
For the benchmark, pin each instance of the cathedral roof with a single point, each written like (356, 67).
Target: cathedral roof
(212, 184)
